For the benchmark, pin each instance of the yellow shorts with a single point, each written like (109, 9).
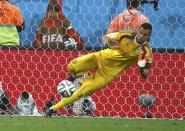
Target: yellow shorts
(82, 65)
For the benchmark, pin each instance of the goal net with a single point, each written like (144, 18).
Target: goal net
(33, 71)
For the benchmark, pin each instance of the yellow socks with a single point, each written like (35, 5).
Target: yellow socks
(66, 101)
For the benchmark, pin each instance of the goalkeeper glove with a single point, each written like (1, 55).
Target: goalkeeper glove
(142, 60)
(144, 66)
(49, 112)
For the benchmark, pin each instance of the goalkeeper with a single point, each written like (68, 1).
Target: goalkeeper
(110, 63)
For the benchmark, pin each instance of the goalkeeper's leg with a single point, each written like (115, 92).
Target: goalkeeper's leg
(89, 85)
(82, 65)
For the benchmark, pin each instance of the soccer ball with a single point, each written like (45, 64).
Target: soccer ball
(66, 88)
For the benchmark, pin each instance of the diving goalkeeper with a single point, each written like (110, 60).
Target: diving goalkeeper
(110, 63)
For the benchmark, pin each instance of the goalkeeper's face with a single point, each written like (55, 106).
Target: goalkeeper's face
(143, 35)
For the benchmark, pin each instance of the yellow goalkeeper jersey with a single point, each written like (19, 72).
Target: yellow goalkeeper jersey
(112, 62)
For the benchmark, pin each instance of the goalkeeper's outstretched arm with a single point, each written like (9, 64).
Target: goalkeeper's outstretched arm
(145, 62)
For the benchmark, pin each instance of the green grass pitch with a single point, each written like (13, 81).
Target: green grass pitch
(18, 123)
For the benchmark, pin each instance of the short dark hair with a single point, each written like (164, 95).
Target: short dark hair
(25, 95)
(146, 26)
(132, 3)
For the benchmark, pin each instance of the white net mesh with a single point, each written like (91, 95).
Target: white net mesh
(38, 69)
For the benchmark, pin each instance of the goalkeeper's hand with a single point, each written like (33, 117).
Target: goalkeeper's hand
(49, 112)
(144, 66)
(145, 72)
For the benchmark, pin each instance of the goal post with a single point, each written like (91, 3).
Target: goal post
(38, 71)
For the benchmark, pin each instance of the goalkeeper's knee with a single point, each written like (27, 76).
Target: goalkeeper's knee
(71, 67)
(74, 70)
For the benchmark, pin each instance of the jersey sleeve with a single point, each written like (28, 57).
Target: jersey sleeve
(113, 40)
(114, 36)
(118, 35)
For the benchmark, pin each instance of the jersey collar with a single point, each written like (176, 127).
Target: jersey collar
(135, 41)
